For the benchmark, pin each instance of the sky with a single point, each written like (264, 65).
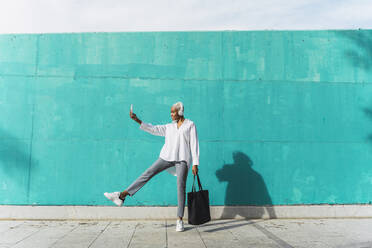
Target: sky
(70, 16)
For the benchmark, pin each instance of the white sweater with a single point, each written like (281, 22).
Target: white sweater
(180, 143)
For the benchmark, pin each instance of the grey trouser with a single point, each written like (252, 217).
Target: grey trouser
(158, 166)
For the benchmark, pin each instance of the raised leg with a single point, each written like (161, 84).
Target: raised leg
(158, 166)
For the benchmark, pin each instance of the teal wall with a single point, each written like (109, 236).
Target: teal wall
(283, 117)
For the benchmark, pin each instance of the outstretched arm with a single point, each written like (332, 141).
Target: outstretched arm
(158, 130)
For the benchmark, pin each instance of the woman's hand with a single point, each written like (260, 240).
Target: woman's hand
(134, 117)
(195, 169)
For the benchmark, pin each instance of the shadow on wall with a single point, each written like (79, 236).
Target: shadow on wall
(361, 58)
(245, 187)
(368, 112)
(15, 158)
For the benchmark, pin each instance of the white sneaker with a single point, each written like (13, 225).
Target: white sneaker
(179, 227)
(114, 197)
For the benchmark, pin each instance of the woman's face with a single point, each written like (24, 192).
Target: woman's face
(174, 114)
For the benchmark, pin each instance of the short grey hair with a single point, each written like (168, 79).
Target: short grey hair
(179, 107)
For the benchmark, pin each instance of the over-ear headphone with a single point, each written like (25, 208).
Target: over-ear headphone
(180, 112)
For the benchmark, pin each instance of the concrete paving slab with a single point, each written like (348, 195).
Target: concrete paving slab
(117, 234)
(303, 233)
(83, 235)
(353, 232)
(18, 233)
(317, 232)
(48, 235)
(249, 235)
(7, 225)
(149, 234)
(214, 234)
(189, 236)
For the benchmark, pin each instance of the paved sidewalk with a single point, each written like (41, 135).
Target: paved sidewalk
(217, 233)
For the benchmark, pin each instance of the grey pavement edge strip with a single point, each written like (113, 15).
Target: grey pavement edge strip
(200, 237)
(72, 229)
(270, 235)
(131, 237)
(104, 229)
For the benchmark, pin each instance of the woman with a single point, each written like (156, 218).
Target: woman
(181, 146)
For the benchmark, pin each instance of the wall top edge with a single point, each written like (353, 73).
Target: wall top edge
(190, 31)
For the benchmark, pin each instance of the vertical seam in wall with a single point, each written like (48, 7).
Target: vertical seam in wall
(30, 153)
(223, 92)
(32, 121)
(222, 60)
(37, 55)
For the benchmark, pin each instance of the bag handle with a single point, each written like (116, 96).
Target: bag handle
(193, 184)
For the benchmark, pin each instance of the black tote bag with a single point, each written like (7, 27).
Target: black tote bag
(198, 205)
